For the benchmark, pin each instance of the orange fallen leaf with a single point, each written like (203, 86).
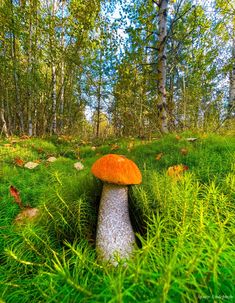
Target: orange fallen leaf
(24, 137)
(159, 156)
(38, 161)
(114, 147)
(19, 162)
(177, 137)
(176, 171)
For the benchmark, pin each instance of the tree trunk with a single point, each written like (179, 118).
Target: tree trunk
(161, 65)
(4, 124)
(99, 101)
(62, 79)
(231, 105)
(53, 65)
(54, 115)
(15, 75)
(30, 124)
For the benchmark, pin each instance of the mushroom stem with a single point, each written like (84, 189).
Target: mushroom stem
(115, 237)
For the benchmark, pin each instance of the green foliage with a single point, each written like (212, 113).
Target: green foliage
(184, 228)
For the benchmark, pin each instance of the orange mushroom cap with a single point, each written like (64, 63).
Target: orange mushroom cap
(116, 169)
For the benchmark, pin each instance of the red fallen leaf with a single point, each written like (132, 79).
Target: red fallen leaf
(19, 162)
(159, 156)
(16, 195)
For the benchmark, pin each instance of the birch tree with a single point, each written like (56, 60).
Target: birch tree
(161, 64)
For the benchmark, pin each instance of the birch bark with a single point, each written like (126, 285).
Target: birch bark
(161, 65)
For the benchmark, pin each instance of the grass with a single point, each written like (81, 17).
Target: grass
(185, 229)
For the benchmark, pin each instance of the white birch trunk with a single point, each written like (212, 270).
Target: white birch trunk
(232, 84)
(161, 64)
(4, 124)
(54, 95)
(62, 70)
(15, 75)
(30, 124)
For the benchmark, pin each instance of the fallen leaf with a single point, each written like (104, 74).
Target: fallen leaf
(159, 156)
(191, 139)
(14, 141)
(24, 137)
(26, 215)
(31, 165)
(37, 161)
(40, 150)
(114, 147)
(177, 137)
(16, 195)
(78, 166)
(19, 162)
(51, 159)
(130, 146)
(176, 171)
(184, 151)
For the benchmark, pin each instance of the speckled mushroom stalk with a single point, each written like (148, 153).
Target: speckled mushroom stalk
(115, 237)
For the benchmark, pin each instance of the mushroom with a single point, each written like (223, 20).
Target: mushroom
(115, 237)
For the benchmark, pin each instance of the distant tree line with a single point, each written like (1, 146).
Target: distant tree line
(83, 68)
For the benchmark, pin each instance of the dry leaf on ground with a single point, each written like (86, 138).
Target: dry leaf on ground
(30, 165)
(159, 156)
(19, 162)
(51, 159)
(176, 171)
(26, 215)
(78, 166)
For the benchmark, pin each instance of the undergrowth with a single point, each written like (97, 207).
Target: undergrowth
(185, 229)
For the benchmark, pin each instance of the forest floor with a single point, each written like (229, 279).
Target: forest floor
(183, 218)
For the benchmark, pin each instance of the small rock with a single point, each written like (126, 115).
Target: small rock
(78, 166)
(51, 159)
(31, 165)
